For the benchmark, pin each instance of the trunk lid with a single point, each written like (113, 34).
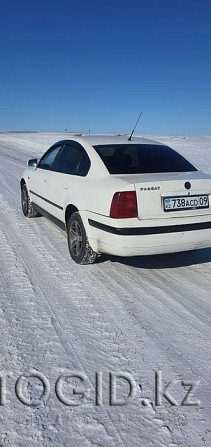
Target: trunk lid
(152, 189)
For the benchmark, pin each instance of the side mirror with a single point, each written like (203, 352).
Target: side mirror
(33, 162)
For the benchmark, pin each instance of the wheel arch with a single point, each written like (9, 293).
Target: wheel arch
(70, 209)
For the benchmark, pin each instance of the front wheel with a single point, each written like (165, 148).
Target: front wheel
(79, 248)
(27, 206)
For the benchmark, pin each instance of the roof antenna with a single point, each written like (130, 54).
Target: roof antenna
(130, 137)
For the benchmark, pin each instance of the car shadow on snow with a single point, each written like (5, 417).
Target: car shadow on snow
(170, 260)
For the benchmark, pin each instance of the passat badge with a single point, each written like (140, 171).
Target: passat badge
(150, 188)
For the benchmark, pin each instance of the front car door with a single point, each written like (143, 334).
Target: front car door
(39, 176)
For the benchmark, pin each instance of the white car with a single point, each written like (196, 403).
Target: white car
(118, 196)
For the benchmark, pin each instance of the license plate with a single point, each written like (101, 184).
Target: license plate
(186, 203)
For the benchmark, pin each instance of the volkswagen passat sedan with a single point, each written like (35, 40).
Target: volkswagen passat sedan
(120, 197)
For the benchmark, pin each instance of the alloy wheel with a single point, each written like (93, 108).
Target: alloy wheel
(75, 233)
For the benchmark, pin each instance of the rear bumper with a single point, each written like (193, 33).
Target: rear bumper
(147, 240)
(148, 230)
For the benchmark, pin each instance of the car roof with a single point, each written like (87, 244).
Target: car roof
(104, 140)
(95, 140)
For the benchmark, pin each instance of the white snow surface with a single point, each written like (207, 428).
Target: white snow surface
(134, 315)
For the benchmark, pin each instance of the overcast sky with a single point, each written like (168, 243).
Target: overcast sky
(97, 64)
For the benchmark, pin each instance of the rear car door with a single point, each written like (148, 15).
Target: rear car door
(68, 171)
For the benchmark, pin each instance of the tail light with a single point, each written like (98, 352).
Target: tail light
(124, 205)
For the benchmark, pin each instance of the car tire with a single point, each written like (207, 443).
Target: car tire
(27, 206)
(79, 248)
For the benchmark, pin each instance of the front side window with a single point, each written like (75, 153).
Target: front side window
(72, 160)
(142, 159)
(48, 159)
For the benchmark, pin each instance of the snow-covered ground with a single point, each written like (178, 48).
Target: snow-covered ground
(133, 315)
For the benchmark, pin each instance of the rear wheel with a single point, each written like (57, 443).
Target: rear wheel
(79, 248)
(27, 206)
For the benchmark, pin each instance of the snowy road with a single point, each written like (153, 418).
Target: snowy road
(135, 315)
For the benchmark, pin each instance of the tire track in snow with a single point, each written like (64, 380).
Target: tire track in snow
(146, 417)
(68, 342)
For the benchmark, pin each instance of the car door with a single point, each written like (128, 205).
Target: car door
(64, 180)
(38, 177)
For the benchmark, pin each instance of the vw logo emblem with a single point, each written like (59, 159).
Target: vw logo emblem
(187, 185)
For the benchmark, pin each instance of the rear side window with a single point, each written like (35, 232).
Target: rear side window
(142, 159)
(72, 160)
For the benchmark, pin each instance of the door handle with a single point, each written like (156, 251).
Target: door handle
(44, 179)
(65, 186)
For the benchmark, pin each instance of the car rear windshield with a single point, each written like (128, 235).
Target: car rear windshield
(142, 159)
